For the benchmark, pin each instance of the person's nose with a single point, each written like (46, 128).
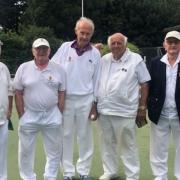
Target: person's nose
(85, 36)
(42, 49)
(173, 44)
(116, 44)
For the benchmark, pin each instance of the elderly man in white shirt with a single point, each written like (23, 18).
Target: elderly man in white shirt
(80, 60)
(40, 92)
(6, 97)
(164, 107)
(122, 91)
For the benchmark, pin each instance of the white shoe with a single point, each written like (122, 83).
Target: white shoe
(108, 176)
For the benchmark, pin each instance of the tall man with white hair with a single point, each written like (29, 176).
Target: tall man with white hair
(122, 91)
(40, 92)
(164, 107)
(6, 98)
(80, 60)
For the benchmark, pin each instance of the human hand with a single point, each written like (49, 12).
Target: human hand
(93, 113)
(141, 118)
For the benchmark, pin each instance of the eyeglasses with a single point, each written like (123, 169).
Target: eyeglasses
(44, 48)
(173, 41)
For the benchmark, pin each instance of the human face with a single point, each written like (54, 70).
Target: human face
(84, 33)
(117, 45)
(172, 46)
(41, 55)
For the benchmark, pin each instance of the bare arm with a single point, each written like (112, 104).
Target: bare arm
(144, 91)
(19, 102)
(61, 100)
(10, 107)
(141, 113)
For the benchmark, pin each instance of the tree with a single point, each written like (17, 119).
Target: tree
(10, 14)
(17, 48)
(57, 14)
(142, 21)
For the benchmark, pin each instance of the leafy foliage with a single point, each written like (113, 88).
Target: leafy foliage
(142, 21)
(10, 13)
(17, 48)
(12, 50)
(131, 46)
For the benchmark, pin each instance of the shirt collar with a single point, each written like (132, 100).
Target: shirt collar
(164, 59)
(79, 51)
(36, 67)
(123, 57)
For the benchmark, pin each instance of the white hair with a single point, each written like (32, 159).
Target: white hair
(109, 40)
(85, 19)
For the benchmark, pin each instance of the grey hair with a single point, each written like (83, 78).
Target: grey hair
(109, 40)
(85, 19)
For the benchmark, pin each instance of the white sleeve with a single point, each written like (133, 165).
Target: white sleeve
(63, 80)
(96, 74)
(142, 73)
(10, 85)
(98, 80)
(17, 83)
(57, 56)
(11, 88)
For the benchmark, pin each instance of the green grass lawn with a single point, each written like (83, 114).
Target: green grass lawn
(96, 170)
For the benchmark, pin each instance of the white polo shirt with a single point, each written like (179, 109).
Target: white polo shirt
(40, 86)
(118, 84)
(169, 108)
(81, 70)
(5, 91)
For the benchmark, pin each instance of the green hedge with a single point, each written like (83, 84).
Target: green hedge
(17, 47)
(130, 46)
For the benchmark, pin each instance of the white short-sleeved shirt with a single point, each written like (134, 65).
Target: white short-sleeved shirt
(5, 91)
(40, 87)
(81, 70)
(118, 84)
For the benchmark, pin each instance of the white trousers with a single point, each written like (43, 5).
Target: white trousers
(52, 137)
(3, 151)
(119, 133)
(159, 140)
(77, 109)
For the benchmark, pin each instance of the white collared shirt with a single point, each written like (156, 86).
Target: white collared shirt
(140, 70)
(169, 108)
(81, 70)
(40, 87)
(118, 84)
(5, 91)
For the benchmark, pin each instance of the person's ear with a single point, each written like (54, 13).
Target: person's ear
(32, 51)
(75, 31)
(164, 45)
(49, 51)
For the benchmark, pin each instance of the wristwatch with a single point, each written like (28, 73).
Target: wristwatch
(142, 108)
